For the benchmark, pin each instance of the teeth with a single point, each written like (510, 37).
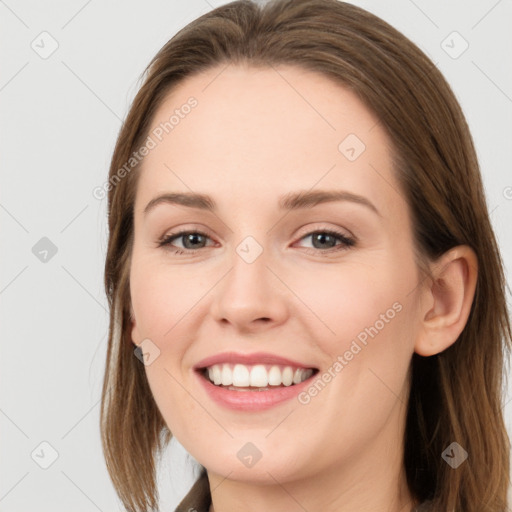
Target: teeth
(226, 375)
(287, 376)
(217, 375)
(258, 376)
(274, 376)
(297, 376)
(240, 376)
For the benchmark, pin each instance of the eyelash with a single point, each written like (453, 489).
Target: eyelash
(346, 242)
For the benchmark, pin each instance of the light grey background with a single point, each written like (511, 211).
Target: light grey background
(59, 119)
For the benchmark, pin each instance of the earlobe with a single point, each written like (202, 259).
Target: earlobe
(450, 295)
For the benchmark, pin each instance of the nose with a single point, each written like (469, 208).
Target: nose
(250, 297)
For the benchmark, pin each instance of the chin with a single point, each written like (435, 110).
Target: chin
(246, 463)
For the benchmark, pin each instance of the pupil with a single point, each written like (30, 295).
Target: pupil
(192, 238)
(321, 237)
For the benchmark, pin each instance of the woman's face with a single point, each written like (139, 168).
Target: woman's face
(274, 275)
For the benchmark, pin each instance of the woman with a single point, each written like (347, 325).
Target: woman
(304, 284)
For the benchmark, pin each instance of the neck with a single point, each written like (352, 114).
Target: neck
(369, 480)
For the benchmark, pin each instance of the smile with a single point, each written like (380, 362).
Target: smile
(258, 377)
(252, 382)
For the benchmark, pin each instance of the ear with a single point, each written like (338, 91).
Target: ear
(447, 300)
(136, 339)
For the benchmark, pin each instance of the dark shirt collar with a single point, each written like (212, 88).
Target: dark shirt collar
(198, 498)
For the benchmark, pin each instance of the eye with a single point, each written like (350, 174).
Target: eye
(191, 241)
(325, 241)
(329, 240)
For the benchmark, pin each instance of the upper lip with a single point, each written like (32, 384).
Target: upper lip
(249, 359)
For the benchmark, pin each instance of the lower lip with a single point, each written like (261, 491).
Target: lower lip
(251, 400)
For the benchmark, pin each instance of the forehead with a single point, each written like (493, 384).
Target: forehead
(261, 132)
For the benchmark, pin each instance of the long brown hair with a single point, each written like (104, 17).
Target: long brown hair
(456, 395)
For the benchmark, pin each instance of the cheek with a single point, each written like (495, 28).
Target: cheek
(371, 318)
(162, 297)
(349, 299)
(375, 330)
(161, 300)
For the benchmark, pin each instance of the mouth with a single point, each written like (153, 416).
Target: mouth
(252, 382)
(255, 377)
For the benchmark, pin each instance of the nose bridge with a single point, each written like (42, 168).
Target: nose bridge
(249, 268)
(249, 291)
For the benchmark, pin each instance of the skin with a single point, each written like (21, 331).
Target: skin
(255, 135)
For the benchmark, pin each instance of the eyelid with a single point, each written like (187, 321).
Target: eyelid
(321, 227)
(186, 228)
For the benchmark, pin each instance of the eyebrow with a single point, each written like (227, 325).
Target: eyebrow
(291, 201)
